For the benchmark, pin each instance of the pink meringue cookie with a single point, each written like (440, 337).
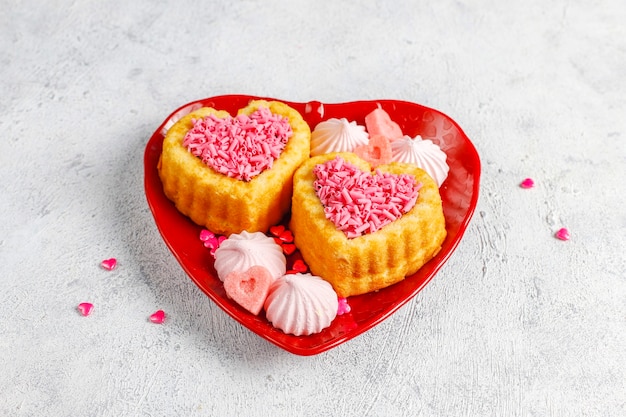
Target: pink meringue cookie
(242, 251)
(301, 304)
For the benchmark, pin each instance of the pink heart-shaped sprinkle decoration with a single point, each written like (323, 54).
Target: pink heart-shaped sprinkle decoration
(376, 152)
(562, 234)
(206, 235)
(158, 317)
(239, 147)
(109, 264)
(213, 242)
(286, 236)
(249, 289)
(85, 308)
(344, 307)
(527, 183)
(358, 202)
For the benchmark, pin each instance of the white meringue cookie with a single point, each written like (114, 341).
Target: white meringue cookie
(337, 135)
(423, 153)
(301, 304)
(242, 251)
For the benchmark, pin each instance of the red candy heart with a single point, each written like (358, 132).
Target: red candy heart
(85, 308)
(562, 234)
(109, 264)
(277, 230)
(299, 266)
(286, 236)
(376, 152)
(249, 289)
(158, 317)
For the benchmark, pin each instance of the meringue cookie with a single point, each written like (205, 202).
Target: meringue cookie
(242, 251)
(337, 135)
(301, 304)
(423, 153)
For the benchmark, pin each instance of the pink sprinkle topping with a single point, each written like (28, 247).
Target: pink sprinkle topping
(358, 202)
(527, 183)
(344, 307)
(109, 264)
(85, 308)
(158, 317)
(240, 147)
(562, 234)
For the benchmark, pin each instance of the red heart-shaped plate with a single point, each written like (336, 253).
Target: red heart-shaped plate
(459, 193)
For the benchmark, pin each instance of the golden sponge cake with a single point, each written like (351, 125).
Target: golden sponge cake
(228, 205)
(372, 261)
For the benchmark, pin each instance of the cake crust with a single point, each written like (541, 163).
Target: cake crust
(372, 261)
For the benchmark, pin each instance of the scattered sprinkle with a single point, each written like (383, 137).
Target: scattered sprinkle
(211, 240)
(85, 308)
(527, 183)
(109, 264)
(158, 317)
(299, 266)
(277, 230)
(344, 307)
(288, 248)
(562, 234)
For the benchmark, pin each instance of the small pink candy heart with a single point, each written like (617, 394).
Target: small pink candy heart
(527, 183)
(109, 264)
(562, 234)
(344, 307)
(158, 317)
(206, 235)
(376, 152)
(85, 308)
(249, 289)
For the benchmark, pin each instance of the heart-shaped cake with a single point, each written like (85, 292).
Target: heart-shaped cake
(232, 174)
(357, 257)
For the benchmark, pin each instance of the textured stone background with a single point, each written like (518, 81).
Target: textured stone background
(517, 323)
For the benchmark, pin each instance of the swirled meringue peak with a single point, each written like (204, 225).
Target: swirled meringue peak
(242, 251)
(337, 135)
(423, 153)
(301, 304)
